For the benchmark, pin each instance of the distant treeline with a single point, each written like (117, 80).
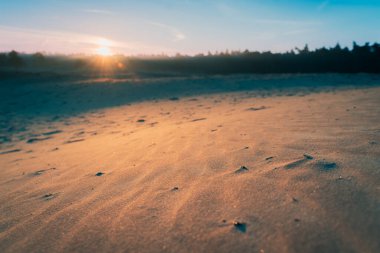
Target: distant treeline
(365, 59)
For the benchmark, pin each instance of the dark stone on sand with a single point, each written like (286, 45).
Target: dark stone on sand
(307, 156)
(33, 140)
(48, 196)
(10, 151)
(198, 119)
(340, 178)
(240, 226)
(242, 169)
(73, 141)
(175, 188)
(257, 108)
(295, 199)
(269, 158)
(52, 132)
(297, 220)
(40, 172)
(141, 120)
(99, 174)
(296, 163)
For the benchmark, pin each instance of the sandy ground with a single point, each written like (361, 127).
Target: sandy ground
(289, 170)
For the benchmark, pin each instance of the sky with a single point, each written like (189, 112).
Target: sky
(148, 27)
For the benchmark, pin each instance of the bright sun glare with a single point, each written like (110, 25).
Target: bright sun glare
(103, 47)
(104, 51)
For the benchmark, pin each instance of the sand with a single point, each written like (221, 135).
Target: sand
(121, 169)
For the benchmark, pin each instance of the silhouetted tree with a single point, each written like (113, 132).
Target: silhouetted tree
(14, 60)
(3, 59)
(38, 58)
(361, 58)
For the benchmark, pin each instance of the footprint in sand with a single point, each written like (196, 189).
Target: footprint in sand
(324, 165)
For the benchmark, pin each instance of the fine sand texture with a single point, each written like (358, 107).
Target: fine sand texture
(197, 164)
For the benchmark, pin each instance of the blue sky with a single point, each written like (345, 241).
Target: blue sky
(187, 26)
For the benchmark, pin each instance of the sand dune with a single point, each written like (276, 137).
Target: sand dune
(278, 169)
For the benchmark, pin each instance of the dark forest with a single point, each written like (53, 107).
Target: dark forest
(358, 59)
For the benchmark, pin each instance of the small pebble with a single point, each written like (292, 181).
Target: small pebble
(307, 156)
(241, 169)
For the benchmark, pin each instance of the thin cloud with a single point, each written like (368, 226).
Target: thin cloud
(65, 42)
(295, 32)
(9, 31)
(97, 11)
(286, 22)
(177, 34)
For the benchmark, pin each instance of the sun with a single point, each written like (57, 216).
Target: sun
(104, 47)
(103, 51)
